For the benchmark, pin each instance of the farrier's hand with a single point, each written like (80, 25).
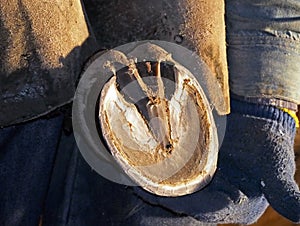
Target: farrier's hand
(262, 147)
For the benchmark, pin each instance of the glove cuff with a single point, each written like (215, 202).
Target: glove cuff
(266, 112)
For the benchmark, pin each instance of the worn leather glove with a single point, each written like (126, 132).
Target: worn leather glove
(256, 160)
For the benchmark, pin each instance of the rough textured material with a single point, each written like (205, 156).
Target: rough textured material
(43, 47)
(204, 28)
(196, 24)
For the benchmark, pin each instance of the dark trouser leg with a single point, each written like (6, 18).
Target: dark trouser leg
(27, 152)
(78, 196)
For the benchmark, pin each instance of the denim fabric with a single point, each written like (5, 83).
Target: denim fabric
(264, 48)
(78, 196)
(27, 154)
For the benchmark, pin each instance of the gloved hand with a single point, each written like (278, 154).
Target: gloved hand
(262, 147)
(256, 160)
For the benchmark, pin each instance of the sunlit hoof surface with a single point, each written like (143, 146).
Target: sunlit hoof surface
(157, 123)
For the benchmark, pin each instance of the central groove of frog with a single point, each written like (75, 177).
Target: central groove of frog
(151, 82)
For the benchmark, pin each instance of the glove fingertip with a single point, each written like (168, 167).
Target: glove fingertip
(285, 199)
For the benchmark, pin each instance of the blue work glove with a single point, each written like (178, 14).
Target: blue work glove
(262, 147)
(256, 160)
